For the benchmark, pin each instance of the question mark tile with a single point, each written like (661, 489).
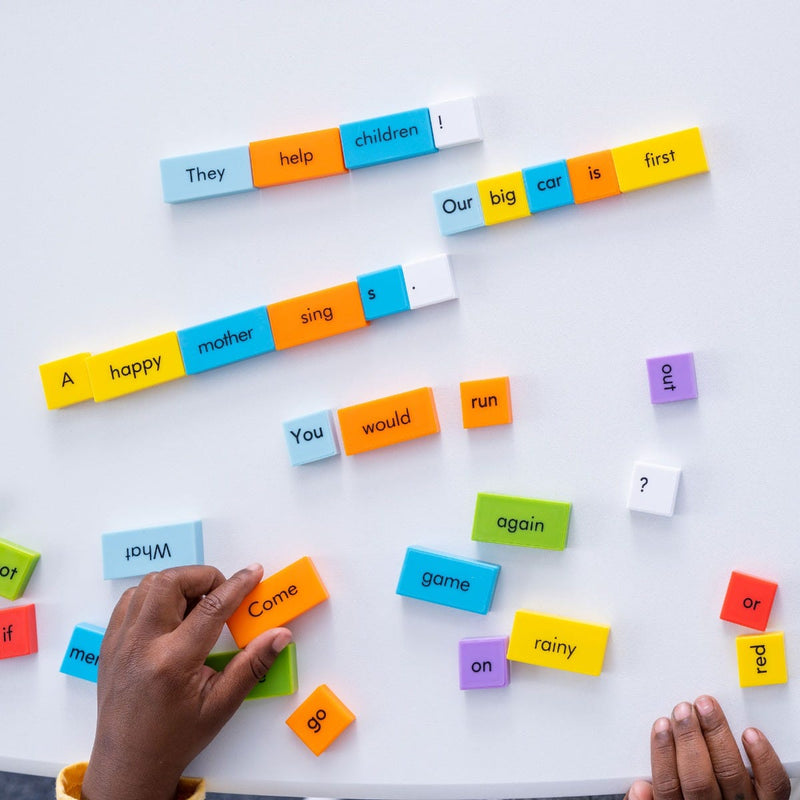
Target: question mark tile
(653, 488)
(455, 122)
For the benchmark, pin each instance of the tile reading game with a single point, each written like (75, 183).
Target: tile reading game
(653, 488)
(127, 554)
(482, 662)
(762, 659)
(447, 580)
(16, 567)
(521, 521)
(672, 378)
(281, 680)
(18, 636)
(486, 402)
(748, 601)
(320, 719)
(83, 652)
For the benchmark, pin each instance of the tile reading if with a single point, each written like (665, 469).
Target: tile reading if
(502, 519)
(653, 489)
(548, 186)
(83, 652)
(277, 600)
(127, 554)
(455, 122)
(486, 402)
(18, 635)
(448, 580)
(320, 719)
(310, 438)
(318, 315)
(429, 281)
(748, 601)
(762, 659)
(458, 209)
(566, 644)
(503, 198)
(482, 662)
(225, 341)
(592, 176)
(383, 293)
(135, 366)
(661, 159)
(16, 567)
(213, 174)
(281, 680)
(66, 381)
(388, 420)
(672, 378)
(300, 157)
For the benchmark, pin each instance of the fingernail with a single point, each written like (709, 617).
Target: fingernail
(751, 735)
(280, 641)
(661, 726)
(682, 712)
(256, 567)
(704, 705)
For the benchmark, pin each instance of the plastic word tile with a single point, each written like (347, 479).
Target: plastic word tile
(320, 719)
(748, 601)
(482, 662)
(18, 631)
(213, 174)
(486, 402)
(66, 381)
(388, 420)
(136, 552)
(310, 438)
(281, 680)
(455, 122)
(226, 340)
(653, 488)
(762, 659)
(429, 281)
(448, 580)
(135, 366)
(16, 567)
(566, 644)
(83, 652)
(574, 180)
(383, 292)
(277, 600)
(672, 378)
(521, 521)
(301, 157)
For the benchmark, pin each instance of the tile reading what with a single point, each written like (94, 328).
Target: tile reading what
(310, 438)
(762, 659)
(213, 174)
(320, 719)
(672, 378)
(748, 601)
(18, 635)
(482, 662)
(486, 402)
(300, 157)
(83, 652)
(280, 680)
(16, 567)
(653, 488)
(66, 381)
(502, 519)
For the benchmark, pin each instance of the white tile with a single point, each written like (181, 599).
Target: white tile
(653, 488)
(455, 122)
(429, 281)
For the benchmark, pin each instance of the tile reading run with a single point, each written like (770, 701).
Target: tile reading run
(501, 519)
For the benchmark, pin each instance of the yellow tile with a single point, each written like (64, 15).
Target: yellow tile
(485, 402)
(135, 366)
(66, 381)
(762, 659)
(503, 198)
(658, 160)
(558, 643)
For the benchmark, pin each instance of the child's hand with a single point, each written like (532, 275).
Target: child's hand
(158, 704)
(694, 757)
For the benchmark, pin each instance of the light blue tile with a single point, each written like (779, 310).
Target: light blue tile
(390, 138)
(458, 209)
(224, 341)
(383, 292)
(83, 652)
(212, 174)
(547, 186)
(310, 438)
(127, 554)
(448, 580)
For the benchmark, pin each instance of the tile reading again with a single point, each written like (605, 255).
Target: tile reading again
(502, 519)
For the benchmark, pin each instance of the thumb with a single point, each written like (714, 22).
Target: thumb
(640, 790)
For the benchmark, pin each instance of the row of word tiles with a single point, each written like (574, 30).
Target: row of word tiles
(547, 641)
(582, 179)
(16, 567)
(83, 652)
(130, 553)
(482, 662)
(748, 601)
(521, 521)
(280, 680)
(486, 402)
(653, 488)
(320, 719)
(672, 378)
(761, 659)
(277, 600)
(310, 438)
(18, 636)
(447, 580)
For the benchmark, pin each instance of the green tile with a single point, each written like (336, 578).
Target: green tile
(280, 680)
(16, 566)
(521, 521)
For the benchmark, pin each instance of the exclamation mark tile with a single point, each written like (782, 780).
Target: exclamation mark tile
(455, 122)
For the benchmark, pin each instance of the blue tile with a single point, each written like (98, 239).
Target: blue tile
(83, 652)
(547, 186)
(310, 438)
(212, 174)
(127, 554)
(447, 580)
(390, 138)
(224, 341)
(458, 209)
(383, 292)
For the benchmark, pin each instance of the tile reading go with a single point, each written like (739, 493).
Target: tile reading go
(277, 600)
(16, 567)
(83, 652)
(521, 521)
(566, 644)
(762, 659)
(18, 631)
(389, 420)
(320, 719)
(281, 680)
(448, 580)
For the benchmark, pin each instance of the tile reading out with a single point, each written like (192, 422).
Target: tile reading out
(281, 680)
(748, 601)
(16, 567)
(18, 636)
(482, 662)
(762, 659)
(672, 378)
(320, 719)
(486, 402)
(213, 174)
(83, 652)
(66, 381)
(521, 521)
(653, 488)
(310, 438)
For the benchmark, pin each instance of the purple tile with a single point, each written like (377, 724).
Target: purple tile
(482, 662)
(672, 378)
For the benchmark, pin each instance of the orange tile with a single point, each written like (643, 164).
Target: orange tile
(389, 420)
(316, 315)
(277, 600)
(300, 157)
(486, 402)
(320, 719)
(593, 176)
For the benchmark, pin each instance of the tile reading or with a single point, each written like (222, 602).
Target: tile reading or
(748, 601)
